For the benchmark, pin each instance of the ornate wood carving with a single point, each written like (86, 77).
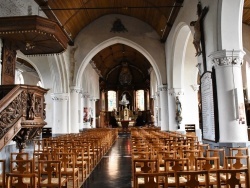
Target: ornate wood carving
(11, 114)
(34, 34)
(9, 63)
(22, 114)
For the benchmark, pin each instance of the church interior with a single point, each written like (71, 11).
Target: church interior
(129, 94)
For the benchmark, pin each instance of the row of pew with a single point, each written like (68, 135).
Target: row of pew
(170, 159)
(62, 161)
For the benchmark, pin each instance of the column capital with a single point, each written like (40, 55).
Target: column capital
(85, 95)
(163, 88)
(93, 99)
(74, 89)
(60, 96)
(227, 57)
(176, 92)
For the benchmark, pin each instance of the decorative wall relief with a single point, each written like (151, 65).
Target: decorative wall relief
(118, 26)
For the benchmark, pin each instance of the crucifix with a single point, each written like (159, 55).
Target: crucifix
(199, 42)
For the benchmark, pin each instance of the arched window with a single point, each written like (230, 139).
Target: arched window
(111, 100)
(140, 100)
(19, 77)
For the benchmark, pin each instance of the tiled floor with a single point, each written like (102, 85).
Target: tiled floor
(114, 170)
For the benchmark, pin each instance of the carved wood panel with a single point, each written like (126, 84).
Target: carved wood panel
(8, 63)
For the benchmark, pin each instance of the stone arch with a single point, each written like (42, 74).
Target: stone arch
(112, 41)
(181, 37)
(22, 57)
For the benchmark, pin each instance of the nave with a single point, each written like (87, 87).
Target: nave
(114, 169)
(141, 158)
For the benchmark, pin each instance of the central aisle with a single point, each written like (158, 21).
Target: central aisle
(114, 170)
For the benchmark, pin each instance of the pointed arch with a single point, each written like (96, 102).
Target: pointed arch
(178, 54)
(112, 41)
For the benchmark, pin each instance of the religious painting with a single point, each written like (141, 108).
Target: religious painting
(86, 114)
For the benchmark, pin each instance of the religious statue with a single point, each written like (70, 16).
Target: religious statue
(124, 100)
(197, 28)
(178, 116)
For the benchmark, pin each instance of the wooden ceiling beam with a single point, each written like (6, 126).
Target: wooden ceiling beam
(174, 12)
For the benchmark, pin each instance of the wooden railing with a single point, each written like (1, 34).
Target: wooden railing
(22, 113)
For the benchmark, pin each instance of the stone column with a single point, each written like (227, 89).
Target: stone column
(93, 111)
(231, 108)
(157, 109)
(74, 109)
(154, 110)
(86, 107)
(163, 92)
(81, 112)
(60, 113)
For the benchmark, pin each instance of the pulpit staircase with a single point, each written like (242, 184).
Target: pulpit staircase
(22, 113)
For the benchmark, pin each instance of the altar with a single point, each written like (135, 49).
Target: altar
(125, 124)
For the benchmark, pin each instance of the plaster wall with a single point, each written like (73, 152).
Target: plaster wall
(153, 84)
(190, 98)
(91, 82)
(19, 8)
(30, 78)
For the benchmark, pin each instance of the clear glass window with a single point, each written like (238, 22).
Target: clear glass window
(111, 100)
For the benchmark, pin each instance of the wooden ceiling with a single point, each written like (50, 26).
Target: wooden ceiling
(246, 12)
(75, 15)
(110, 61)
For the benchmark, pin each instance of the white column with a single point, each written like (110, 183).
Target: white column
(74, 109)
(93, 111)
(231, 108)
(155, 110)
(86, 106)
(81, 112)
(163, 91)
(60, 113)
